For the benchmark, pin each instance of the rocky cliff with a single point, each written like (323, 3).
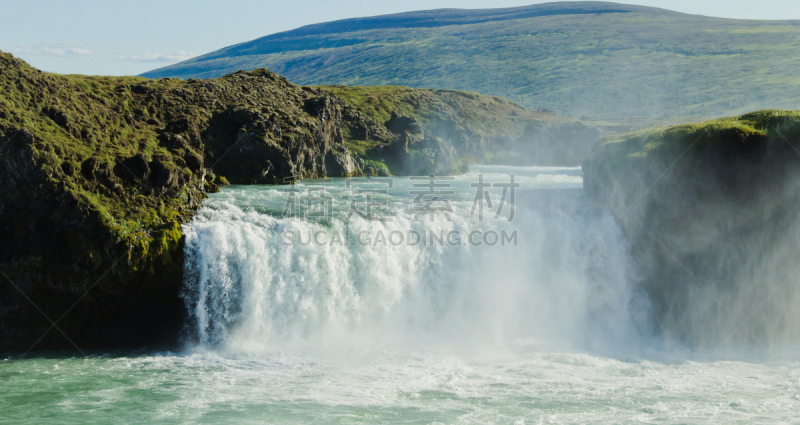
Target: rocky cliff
(711, 213)
(418, 131)
(98, 174)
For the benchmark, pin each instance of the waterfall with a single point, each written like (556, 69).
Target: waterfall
(560, 273)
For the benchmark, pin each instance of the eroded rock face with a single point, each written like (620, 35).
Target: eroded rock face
(711, 215)
(135, 168)
(421, 157)
(338, 164)
(98, 178)
(256, 147)
(399, 124)
(415, 151)
(57, 251)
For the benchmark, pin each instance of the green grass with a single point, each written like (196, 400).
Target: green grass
(84, 127)
(600, 60)
(483, 114)
(467, 119)
(621, 169)
(664, 141)
(96, 111)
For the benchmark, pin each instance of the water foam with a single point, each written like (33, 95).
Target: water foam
(568, 280)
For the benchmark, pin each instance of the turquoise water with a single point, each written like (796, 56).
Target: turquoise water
(377, 385)
(549, 329)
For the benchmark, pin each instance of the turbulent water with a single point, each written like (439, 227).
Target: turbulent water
(365, 301)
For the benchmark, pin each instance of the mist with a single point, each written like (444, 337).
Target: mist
(714, 229)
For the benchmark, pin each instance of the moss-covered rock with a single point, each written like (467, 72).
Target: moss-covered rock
(381, 123)
(711, 213)
(99, 173)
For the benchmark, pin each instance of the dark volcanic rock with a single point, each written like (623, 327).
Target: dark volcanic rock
(399, 124)
(134, 168)
(165, 177)
(58, 253)
(97, 179)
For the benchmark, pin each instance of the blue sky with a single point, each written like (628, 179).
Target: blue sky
(128, 37)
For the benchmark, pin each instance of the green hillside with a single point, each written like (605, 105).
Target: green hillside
(479, 128)
(601, 60)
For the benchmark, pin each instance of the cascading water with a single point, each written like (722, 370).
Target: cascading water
(544, 328)
(558, 272)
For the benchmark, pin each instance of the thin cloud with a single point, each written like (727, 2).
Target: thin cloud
(159, 57)
(63, 49)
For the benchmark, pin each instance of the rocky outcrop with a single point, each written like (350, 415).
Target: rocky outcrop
(299, 137)
(98, 174)
(413, 152)
(711, 214)
(61, 261)
(402, 124)
(412, 131)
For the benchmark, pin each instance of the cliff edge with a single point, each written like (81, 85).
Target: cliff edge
(98, 174)
(710, 210)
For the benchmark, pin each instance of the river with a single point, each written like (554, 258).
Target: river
(501, 296)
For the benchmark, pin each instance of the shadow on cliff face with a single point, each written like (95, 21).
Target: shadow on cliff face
(98, 175)
(417, 151)
(725, 248)
(248, 146)
(66, 282)
(713, 224)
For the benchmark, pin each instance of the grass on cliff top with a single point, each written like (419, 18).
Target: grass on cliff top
(476, 113)
(100, 112)
(75, 118)
(660, 141)
(380, 101)
(444, 111)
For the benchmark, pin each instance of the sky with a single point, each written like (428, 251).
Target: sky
(128, 37)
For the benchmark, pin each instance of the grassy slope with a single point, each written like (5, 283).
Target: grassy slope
(664, 146)
(99, 113)
(627, 62)
(471, 114)
(485, 112)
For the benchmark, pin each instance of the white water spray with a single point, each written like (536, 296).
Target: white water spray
(568, 281)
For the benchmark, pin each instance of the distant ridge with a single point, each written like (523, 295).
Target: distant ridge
(602, 60)
(443, 18)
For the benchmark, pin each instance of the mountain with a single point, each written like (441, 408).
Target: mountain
(601, 60)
